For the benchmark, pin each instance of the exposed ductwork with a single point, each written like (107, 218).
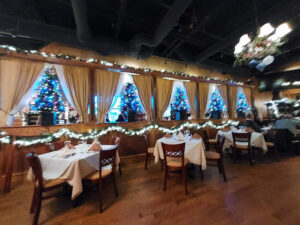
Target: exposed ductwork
(80, 14)
(165, 26)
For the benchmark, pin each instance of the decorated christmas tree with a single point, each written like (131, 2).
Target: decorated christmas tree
(216, 102)
(48, 95)
(130, 100)
(242, 104)
(179, 102)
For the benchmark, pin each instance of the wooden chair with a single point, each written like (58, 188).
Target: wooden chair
(106, 158)
(54, 146)
(238, 140)
(117, 141)
(270, 142)
(208, 142)
(174, 159)
(40, 186)
(217, 157)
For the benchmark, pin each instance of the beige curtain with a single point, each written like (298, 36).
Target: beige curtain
(233, 100)
(203, 97)
(16, 78)
(223, 92)
(143, 84)
(164, 92)
(77, 81)
(191, 93)
(247, 92)
(106, 87)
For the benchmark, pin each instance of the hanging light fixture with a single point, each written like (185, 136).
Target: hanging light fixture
(258, 52)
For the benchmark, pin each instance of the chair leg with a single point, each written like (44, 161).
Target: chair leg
(234, 154)
(251, 153)
(33, 202)
(161, 165)
(201, 172)
(184, 180)
(165, 178)
(37, 210)
(219, 167)
(146, 161)
(276, 153)
(115, 184)
(120, 169)
(100, 194)
(223, 170)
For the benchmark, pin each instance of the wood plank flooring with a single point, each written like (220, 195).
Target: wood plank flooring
(268, 193)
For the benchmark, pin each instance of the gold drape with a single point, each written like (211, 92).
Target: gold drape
(77, 80)
(143, 84)
(247, 92)
(164, 92)
(16, 78)
(191, 93)
(203, 95)
(106, 87)
(233, 100)
(223, 92)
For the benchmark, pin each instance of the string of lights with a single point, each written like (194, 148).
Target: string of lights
(97, 133)
(10, 48)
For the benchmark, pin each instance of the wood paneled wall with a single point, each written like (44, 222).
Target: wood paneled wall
(130, 146)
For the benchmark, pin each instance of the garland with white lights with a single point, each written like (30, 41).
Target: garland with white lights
(97, 133)
(5, 140)
(9, 48)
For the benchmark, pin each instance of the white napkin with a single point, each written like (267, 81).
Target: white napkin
(180, 136)
(65, 152)
(94, 144)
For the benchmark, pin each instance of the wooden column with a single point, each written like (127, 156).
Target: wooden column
(197, 101)
(229, 108)
(92, 94)
(154, 95)
(9, 150)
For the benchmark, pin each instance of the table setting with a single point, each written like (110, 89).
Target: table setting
(257, 139)
(194, 147)
(72, 163)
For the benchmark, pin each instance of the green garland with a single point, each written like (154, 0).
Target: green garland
(131, 132)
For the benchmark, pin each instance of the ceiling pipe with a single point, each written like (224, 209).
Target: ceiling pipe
(166, 25)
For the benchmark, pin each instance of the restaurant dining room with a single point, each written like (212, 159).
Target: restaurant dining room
(149, 112)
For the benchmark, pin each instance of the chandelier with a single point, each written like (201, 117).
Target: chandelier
(258, 52)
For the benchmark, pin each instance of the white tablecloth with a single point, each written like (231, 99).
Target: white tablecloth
(193, 152)
(71, 168)
(257, 140)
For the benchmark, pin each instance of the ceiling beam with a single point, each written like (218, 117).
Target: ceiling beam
(278, 10)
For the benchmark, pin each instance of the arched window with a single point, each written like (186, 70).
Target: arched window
(126, 105)
(179, 106)
(216, 104)
(242, 105)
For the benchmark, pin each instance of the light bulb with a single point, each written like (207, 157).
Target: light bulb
(265, 30)
(244, 40)
(282, 30)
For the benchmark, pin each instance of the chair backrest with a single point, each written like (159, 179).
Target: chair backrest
(241, 138)
(173, 151)
(107, 157)
(57, 145)
(116, 140)
(146, 136)
(220, 144)
(35, 164)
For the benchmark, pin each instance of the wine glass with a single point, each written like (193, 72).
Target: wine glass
(67, 144)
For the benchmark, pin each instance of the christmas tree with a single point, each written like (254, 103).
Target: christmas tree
(179, 102)
(48, 95)
(242, 104)
(216, 102)
(130, 100)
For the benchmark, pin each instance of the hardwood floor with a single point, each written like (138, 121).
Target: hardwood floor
(268, 193)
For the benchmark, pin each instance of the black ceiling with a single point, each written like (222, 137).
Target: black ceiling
(205, 33)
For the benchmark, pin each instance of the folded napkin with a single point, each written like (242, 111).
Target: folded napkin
(65, 152)
(96, 146)
(180, 136)
(168, 135)
(225, 129)
(71, 146)
(196, 136)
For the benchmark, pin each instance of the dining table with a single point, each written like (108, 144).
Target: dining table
(257, 139)
(194, 150)
(71, 167)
